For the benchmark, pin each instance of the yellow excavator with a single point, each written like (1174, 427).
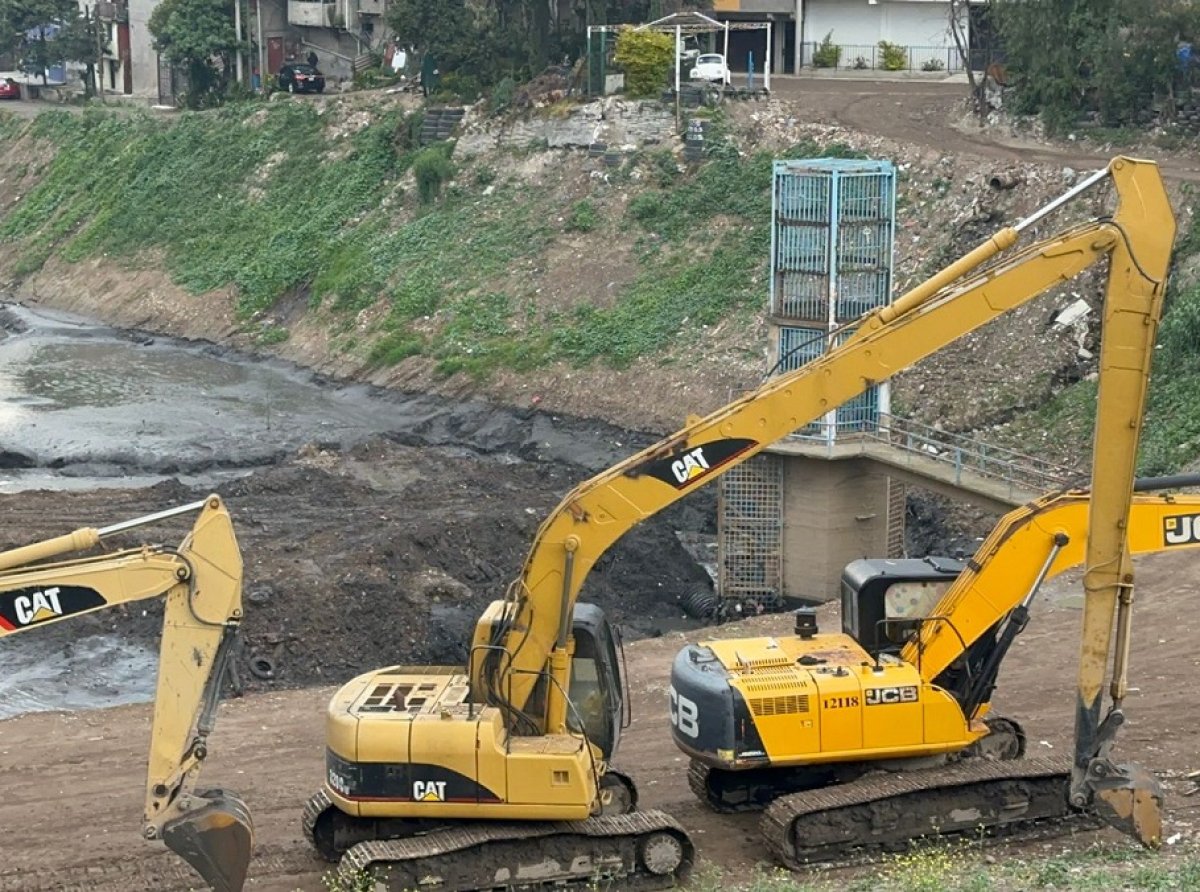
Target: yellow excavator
(201, 580)
(798, 721)
(771, 722)
(500, 774)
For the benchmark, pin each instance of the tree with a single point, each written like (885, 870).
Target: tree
(1116, 59)
(445, 29)
(197, 36)
(42, 33)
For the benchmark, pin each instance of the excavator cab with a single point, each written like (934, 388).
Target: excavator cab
(884, 602)
(600, 707)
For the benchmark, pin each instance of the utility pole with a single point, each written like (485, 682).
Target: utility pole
(99, 53)
(262, 49)
(237, 27)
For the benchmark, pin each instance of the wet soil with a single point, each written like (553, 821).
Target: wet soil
(382, 554)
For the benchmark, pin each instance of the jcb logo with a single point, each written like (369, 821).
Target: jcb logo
(685, 715)
(884, 696)
(429, 791)
(1181, 529)
(691, 464)
(37, 607)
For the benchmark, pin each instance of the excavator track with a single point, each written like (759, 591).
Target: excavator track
(886, 812)
(638, 851)
(736, 792)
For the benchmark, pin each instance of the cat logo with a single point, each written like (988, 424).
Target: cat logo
(429, 791)
(37, 607)
(1181, 529)
(692, 464)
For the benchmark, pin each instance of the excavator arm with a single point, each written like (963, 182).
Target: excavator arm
(1029, 546)
(534, 632)
(201, 581)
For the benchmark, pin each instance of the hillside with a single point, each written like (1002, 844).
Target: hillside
(320, 232)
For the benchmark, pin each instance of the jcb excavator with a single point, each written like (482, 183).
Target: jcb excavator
(769, 722)
(796, 721)
(500, 775)
(201, 580)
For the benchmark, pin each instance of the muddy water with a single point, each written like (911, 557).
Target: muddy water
(83, 406)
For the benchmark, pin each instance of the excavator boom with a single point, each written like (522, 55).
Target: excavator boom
(947, 306)
(767, 718)
(201, 580)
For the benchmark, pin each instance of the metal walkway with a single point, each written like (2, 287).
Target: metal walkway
(989, 476)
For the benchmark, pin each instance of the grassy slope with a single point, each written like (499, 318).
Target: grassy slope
(273, 200)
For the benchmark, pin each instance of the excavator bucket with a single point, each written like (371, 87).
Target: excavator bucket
(1131, 801)
(215, 838)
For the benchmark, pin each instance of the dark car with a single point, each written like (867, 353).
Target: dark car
(300, 77)
(9, 88)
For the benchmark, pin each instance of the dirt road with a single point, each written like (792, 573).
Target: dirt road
(70, 813)
(929, 113)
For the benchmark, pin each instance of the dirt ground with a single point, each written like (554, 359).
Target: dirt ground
(73, 781)
(388, 552)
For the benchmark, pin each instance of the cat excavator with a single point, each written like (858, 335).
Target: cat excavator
(500, 774)
(201, 579)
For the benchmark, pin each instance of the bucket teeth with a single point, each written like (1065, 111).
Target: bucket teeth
(215, 838)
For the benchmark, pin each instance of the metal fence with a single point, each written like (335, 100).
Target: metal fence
(963, 454)
(866, 56)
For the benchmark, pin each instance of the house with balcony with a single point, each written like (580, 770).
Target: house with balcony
(856, 26)
(339, 32)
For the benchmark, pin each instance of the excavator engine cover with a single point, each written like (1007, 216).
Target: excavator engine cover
(215, 838)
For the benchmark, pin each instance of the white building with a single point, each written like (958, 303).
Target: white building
(857, 26)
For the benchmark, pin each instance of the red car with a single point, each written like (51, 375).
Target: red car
(9, 88)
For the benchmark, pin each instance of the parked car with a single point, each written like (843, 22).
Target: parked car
(300, 77)
(710, 67)
(9, 88)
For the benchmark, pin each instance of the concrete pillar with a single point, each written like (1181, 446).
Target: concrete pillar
(798, 59)
(834, 512)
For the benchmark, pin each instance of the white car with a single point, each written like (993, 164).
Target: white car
(710, 67)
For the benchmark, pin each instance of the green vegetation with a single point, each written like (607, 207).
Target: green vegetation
(828, 53)
(949, 867)
(1054, 50)
(198, 36)
(647, 57)
(583, 217)
(432, 169)
(893, 57)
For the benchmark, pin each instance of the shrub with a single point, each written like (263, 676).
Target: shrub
(432, 169)
(933, 65)
(828, 54)
(895, 57)
(583, 217)
(647, 57)
(459, 87)
(502, 95)
(860, 63)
